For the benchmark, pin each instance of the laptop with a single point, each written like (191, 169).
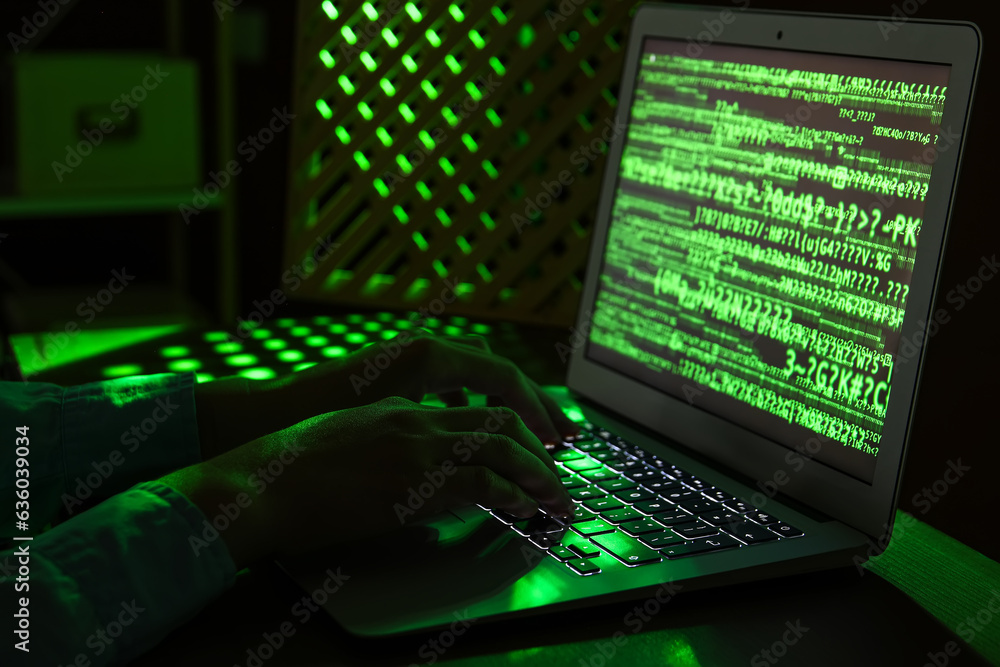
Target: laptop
(768, 242)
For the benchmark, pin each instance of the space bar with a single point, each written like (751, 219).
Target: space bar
(626, 549)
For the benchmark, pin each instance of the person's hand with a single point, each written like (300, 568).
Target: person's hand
(413, 366)
(360, 471)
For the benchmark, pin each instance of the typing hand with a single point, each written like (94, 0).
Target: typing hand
(359, 471)
(414, 366)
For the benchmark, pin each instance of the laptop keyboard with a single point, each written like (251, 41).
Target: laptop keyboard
(640, 509)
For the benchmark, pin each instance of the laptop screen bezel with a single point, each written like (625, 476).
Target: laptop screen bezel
(866, 507)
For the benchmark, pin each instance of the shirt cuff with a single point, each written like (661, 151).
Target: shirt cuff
(112, 582)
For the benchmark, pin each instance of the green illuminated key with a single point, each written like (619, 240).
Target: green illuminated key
(595, 527)
(584, 566)
(626, 549)
(583, 464)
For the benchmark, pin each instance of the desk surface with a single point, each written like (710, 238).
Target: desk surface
(905, 609)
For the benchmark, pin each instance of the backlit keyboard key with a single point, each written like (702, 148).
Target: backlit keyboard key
(595, 527)
(602, 504)
(626, 549)
(641, 527)
(621, 515)
(704, 545)
(785, 530)
(583, 566)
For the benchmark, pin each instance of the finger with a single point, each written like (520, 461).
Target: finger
(457, 366)
(472, 340)
(565, 425)
(482, 486)
(471, 425)
(506, 457)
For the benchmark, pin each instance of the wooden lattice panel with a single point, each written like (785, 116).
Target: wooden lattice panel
(424, 142)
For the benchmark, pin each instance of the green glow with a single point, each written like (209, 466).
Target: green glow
(450, 116)
(587, 69)
(388, 334)
(260, 334)
(387, 87)
(407, 112)
(497, 66)
(342, 134)
(365, 111)
(473, 91)
(285, 322)
(204, 377)
(442, 215)
(355, 318)
(459, 321)
(327, 58)
(446, 166)
(426, 139)
(355, 338)
(241, 360)
(409, 63)
(456, 13)
(362, 161)
(499, 15)
(466, 193)
(565, 41)
(330, 10)
(432, 38)
(339, 328)
(421, 242)
(381, 187)
(424, 191)
(470, 143)
(383, 136)
(348, 34)
(414, 13)
(369, 11)
(334, 351)
(228, 348)
(453, 64)
(384, 316)
(258, 373)
(453, 331)
(439, 268)
(401, 214)
(494, 117)
(346, 84)
(487, 221)
(371, 326)
(484, 272)
(316, 341)
(481, 328)
(463, 245)
(368, 61)
(428, 88)
(404, 164)
(574, 414)
(304, 365)
(216, 336)
(390, 38)
(490, 169)
(477, 39)
(291, 356)
(324, 109)
(300, 331)
(175, 351)
(121, 370)
(526, 36)
(403, 324)
(275, 344)
(322, 319)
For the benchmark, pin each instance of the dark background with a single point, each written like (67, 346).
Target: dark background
(955, 412)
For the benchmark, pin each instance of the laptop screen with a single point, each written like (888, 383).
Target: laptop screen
(762, 236)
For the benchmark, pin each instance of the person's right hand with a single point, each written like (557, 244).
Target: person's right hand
(357, 472)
